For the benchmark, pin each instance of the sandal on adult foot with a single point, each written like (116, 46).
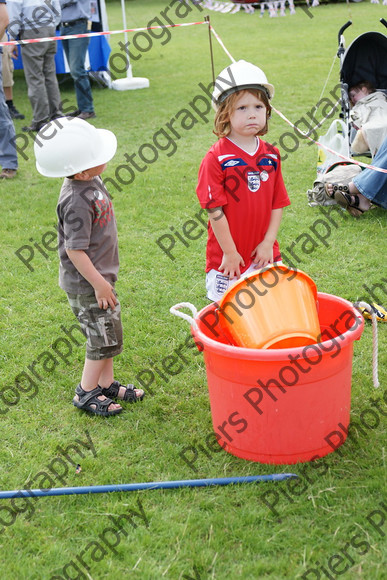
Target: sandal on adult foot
(340, 193)
(88, 401)
(350, 202)
(131, 393)
(354, 206)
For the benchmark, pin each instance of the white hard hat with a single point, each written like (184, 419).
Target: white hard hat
(236, 77)
(69, 145)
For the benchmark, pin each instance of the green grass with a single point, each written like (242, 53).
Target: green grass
(198, 533)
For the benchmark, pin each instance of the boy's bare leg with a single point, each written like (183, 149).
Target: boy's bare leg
(107, 374)
(91, 376)
(105, 378)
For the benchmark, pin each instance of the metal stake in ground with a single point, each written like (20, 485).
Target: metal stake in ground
(207, 19)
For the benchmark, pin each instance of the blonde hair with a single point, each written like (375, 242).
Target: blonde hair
(222, 125)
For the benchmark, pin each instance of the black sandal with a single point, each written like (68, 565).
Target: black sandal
(88, 401)
(340, 193)
(339, 190)
(354, 208)
(129, 395)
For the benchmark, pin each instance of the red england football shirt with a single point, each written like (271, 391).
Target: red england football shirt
(247, 187)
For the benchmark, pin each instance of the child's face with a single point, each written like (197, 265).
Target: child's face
(248, 117)
(94, 171)
(88, 174)
(356, 94)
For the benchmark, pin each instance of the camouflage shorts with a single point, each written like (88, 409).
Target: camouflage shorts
(102, 328)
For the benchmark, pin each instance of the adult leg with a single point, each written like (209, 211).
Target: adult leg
(51, 81)
(75, 51)
(8, 156)
(7, 70)
(8, 81)
(373, 184)
(33, 58)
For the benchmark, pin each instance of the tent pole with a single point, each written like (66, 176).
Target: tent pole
(130, 82)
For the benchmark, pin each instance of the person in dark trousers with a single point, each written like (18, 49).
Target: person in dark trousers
(38, 19)
(75, 17)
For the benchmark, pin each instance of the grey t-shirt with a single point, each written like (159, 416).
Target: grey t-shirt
(86, 222)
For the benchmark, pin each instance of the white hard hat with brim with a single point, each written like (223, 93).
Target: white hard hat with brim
(69, 145)
(239, 76)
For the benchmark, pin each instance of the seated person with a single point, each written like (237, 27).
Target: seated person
(359, 91)
(367, 188)
(369, 117)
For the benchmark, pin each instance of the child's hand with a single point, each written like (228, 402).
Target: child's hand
(231, 264)
(105, 296)
(263, 254)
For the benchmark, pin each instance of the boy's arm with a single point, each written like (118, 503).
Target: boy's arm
(104, 291)
(232, 260)
(263, 253)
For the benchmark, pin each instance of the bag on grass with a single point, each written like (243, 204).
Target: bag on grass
(336, 139)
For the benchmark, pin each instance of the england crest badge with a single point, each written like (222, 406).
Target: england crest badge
(253, 180)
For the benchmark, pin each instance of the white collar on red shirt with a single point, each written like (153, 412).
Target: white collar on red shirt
(248, 152)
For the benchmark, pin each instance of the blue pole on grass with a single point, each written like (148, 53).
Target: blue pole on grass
(140, 486)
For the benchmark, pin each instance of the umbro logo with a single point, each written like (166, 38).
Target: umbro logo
(231, 163)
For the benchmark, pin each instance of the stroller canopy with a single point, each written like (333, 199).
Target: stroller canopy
(366, 60)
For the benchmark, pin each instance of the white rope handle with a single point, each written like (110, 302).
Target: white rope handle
(375, 377)
(175, 310)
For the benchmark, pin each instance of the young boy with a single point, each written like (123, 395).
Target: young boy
(88, 251)
(240, 181)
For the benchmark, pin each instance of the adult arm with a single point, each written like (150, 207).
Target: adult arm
(104, 291)
(57, 12)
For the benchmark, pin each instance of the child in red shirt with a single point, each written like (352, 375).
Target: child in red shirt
(240, 181)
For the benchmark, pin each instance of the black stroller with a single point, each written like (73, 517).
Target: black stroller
(364, 60)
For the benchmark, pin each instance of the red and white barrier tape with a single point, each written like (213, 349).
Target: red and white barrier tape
(91, 34)
(221, 43)
(142, 29)
(349, 159)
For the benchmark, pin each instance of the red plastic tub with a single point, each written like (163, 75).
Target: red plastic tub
(280, 406)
